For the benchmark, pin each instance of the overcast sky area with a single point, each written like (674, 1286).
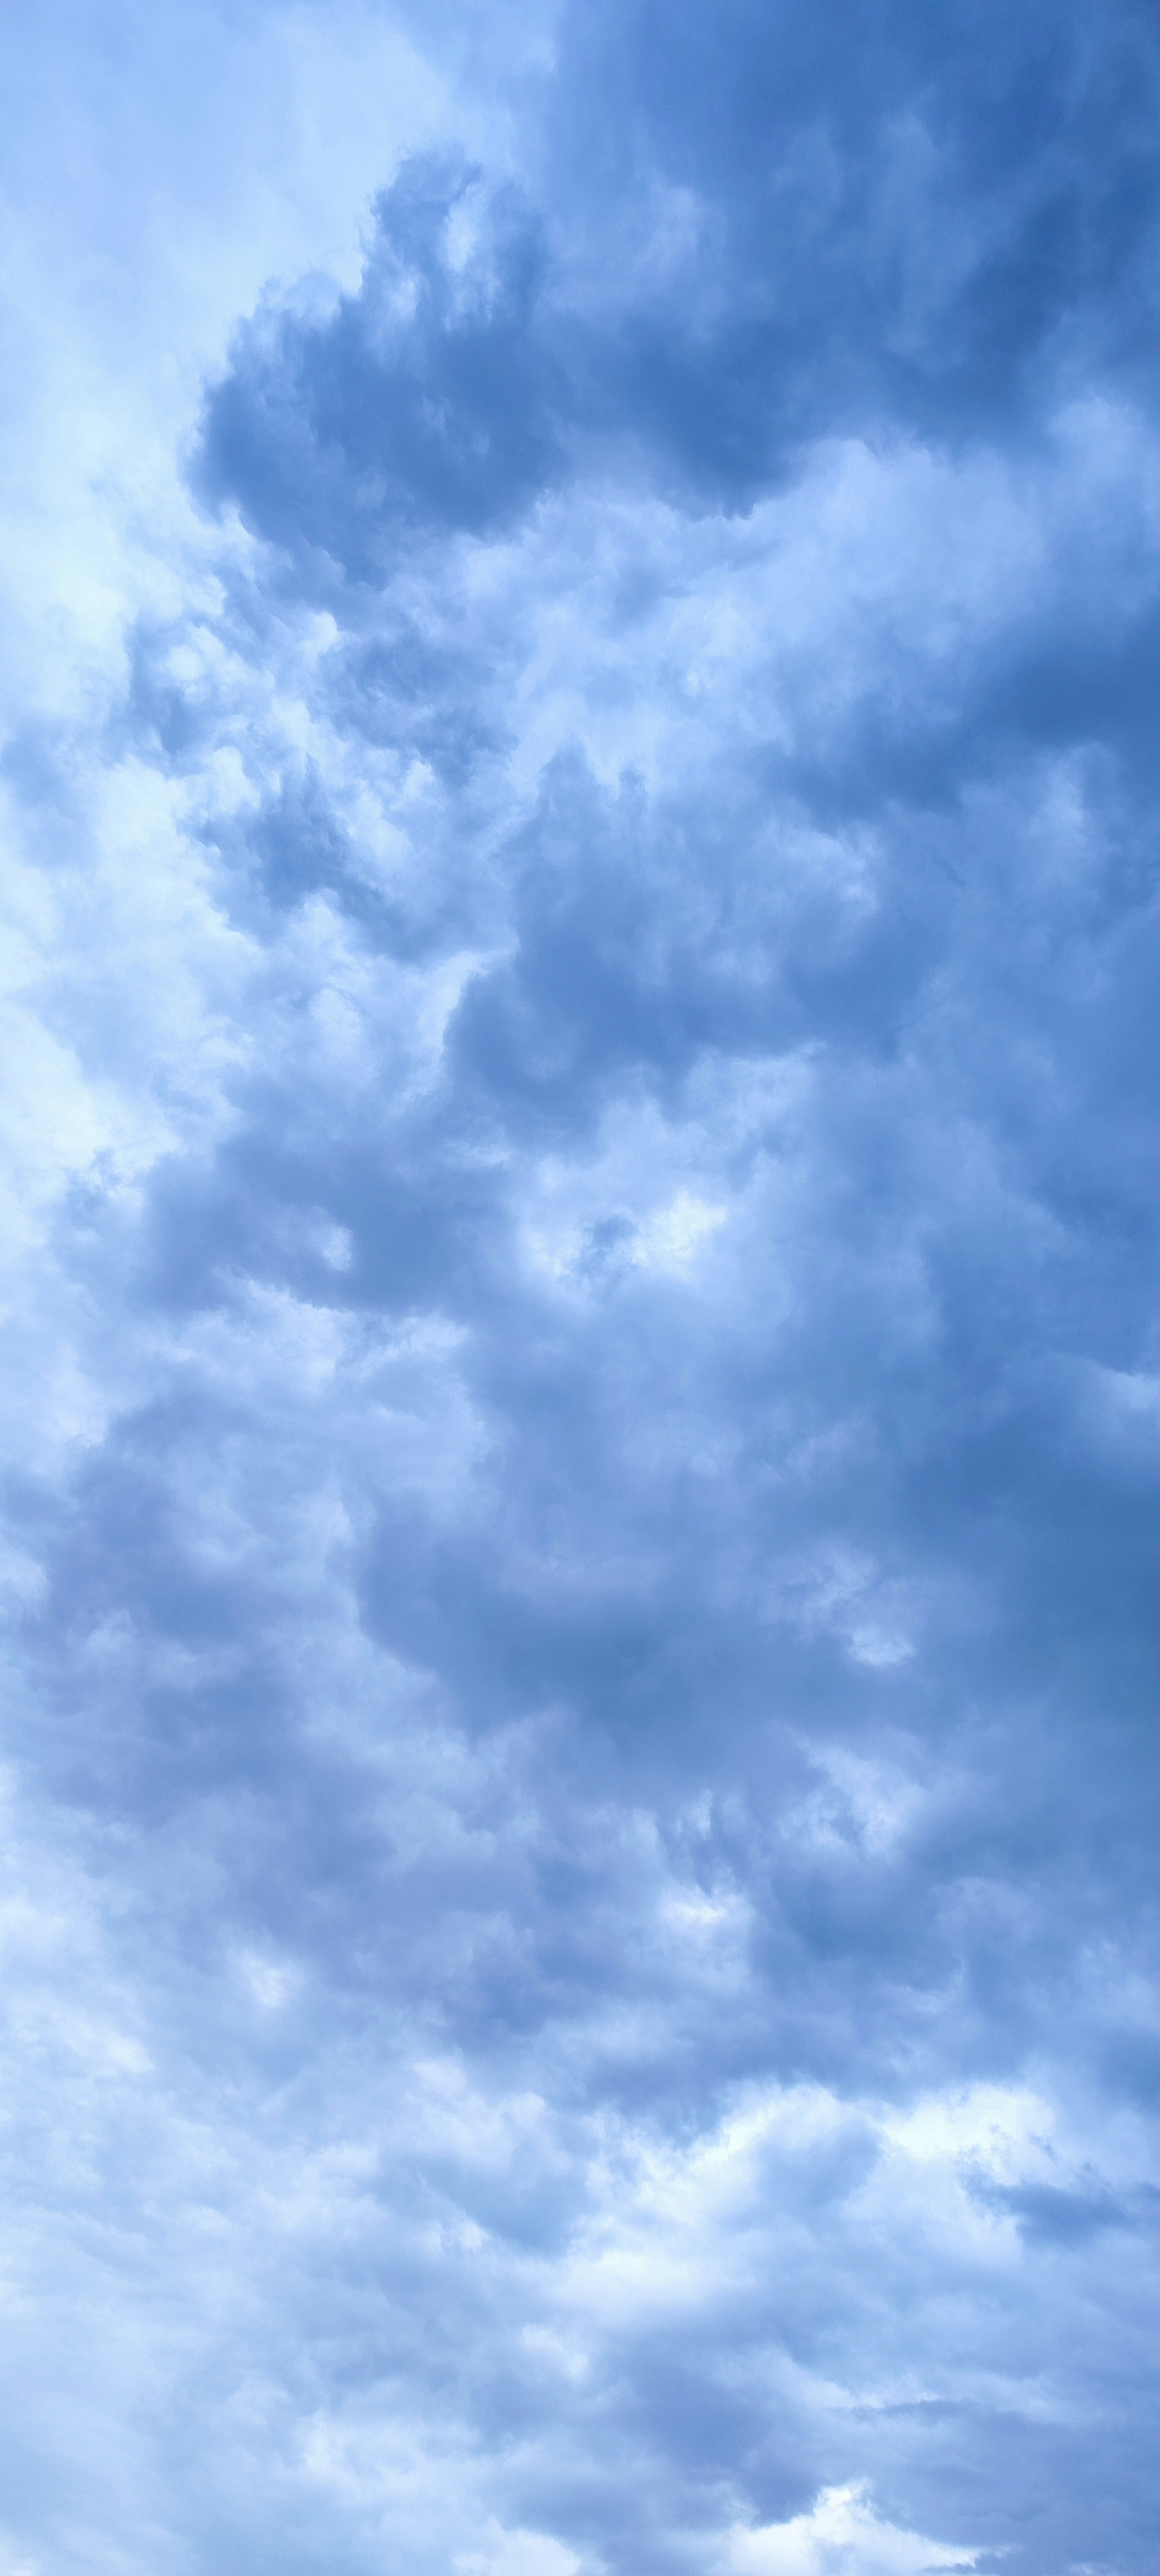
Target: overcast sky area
(581, 1239)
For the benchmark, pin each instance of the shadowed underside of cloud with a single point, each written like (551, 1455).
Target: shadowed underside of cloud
(584, 1772)
(749, 233)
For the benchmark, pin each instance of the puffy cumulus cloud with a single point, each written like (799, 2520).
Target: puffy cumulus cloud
(583, 1374)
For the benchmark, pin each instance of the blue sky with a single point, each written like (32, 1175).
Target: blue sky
(582, 1372)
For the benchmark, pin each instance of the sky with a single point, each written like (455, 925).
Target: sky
(580, 1236)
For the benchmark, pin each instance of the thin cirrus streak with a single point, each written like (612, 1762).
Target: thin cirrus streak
(582, 1380)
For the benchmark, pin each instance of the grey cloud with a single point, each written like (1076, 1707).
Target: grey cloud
(427, 400)
(596, 1669)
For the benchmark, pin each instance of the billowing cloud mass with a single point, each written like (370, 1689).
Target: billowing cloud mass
(582, 1490)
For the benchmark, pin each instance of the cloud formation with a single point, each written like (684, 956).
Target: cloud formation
(584, 1398)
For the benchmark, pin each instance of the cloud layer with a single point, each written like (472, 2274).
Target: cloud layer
(584, 1373)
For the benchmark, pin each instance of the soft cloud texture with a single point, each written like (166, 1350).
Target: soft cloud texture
(583, 1372)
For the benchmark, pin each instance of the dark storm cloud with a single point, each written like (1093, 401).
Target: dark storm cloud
(424, 404)
(929, 217)
(867, 219)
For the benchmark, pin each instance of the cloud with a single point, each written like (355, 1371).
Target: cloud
(581, 1382)
(841, 2537)
(424, 402)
